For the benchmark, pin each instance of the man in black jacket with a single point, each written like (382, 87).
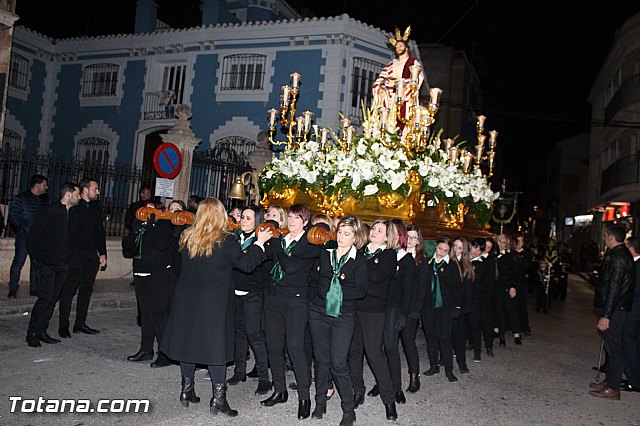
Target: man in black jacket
(616, 292)
(631, 329)
(22, 212)
(49, 245)
(88, 252)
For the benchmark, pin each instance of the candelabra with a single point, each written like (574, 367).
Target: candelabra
(490, 155)
(287, 116)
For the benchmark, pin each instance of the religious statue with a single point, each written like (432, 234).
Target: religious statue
(399, 80)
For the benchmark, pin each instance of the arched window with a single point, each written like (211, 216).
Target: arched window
(100, 80)
(11, 140)
(93, 150)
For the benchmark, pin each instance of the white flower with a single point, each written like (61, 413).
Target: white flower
(370, 189)
(397, 180)
(433, 182)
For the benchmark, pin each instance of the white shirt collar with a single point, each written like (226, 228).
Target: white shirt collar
(382, 247)
(352, 253)
(288, 239)
(635, 259)
(485, 255)
(479, 258)
(446, 258)
(400, 254)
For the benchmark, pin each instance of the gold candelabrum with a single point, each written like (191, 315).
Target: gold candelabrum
(297, 128)
(480, 147)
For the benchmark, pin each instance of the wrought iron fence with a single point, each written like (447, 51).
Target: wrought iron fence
(213, 172)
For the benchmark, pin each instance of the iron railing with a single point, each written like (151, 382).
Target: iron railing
(160, 105)
(213, 172)
(627, 94)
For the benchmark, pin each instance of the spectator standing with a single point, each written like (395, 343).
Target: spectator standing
(49, 244)
(144, 195)
(22, 212)
(616, 292)
(88, 253)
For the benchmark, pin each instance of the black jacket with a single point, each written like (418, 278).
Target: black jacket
(353, 279)
(380, 271)
(635, 308)
(450, 283)
(159, 247)
(248, 281)
(401, 287)
(482, 287)
(506, 266)
(616, 281)
(49, 240)
(23, 210)
(297, 267)
(87, 231)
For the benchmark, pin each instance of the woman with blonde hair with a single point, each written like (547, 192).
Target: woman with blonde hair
(200, 329)
(458, 331)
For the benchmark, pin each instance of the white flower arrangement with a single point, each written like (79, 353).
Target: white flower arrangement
(370, 168)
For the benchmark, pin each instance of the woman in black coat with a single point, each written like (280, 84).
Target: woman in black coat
(443, 281)
(342, 279)
(200, 329)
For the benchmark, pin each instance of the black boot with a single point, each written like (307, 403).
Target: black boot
(188, 393)
(391, 412)
(348, 418)
(320, 410)
(304, 409)
(400, 399)
(414, 383)
(375, 391)
(276, 398)
(219, 401)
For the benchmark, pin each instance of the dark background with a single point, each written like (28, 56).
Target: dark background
(536, 60)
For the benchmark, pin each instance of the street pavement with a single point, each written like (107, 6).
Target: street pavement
(543, 382)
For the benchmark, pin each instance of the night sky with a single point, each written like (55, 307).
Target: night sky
(536, 60)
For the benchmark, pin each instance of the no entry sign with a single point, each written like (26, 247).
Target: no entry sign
(167, 160)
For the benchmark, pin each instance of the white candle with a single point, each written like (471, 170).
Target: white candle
(415, 72)
(299, 125)
(400, 90)
(307, 120)
(285, 94)
(295, 80)
(324, 133)
(272, 117)
(434, 94)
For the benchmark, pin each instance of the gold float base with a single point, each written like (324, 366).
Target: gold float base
(435, 221)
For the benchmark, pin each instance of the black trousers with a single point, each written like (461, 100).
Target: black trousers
(249, 309)
(523, 308)
(631, 350)
(511, 313)
(50, 281)
(154, 294)
(458, 341)
(543, 299)
(367, 340)
(287, 318)
(83, 268)
(437, 323)
(331, 339)
(391, 339)
(408, 337)
(480, 318)
(613, 346)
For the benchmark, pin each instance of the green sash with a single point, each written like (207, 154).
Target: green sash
(277, 273)
(435, 284)
(368, 254)
(334, 295)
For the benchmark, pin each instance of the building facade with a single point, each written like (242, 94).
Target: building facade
(614, 172)
(109, 98)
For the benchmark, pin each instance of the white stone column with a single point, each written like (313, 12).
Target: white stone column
(183, 137)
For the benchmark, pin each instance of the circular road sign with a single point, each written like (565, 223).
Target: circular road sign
(167, 160)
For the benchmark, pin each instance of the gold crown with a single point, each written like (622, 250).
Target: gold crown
(400, 37)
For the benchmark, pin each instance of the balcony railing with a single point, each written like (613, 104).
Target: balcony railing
(628, 93)
(625, 171)
(160, 105)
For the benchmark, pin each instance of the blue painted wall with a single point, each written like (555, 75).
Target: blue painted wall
(70, 118)
(29, 113)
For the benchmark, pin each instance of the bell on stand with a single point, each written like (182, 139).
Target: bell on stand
(237, 191)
